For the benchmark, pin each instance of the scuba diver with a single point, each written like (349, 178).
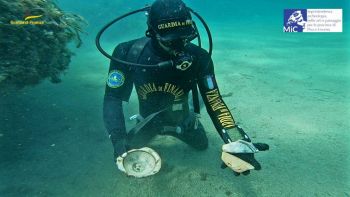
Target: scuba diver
(164, 66)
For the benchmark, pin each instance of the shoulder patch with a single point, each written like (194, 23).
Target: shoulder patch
(115, 79)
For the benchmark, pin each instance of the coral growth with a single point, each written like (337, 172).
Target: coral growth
(34, 37)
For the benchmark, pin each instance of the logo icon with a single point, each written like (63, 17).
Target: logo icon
(295, 20)
(115, 79)
(32, 17)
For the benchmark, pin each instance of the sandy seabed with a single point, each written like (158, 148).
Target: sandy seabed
(288, 90)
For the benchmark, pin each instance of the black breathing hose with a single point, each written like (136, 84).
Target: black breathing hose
(161, 64)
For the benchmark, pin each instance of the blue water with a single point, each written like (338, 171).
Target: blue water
(290, 90)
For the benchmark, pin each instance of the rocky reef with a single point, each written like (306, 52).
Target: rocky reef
(34, 38)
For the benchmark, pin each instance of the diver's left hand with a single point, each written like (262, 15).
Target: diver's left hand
(239, 156)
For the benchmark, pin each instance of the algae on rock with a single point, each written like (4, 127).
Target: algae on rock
(34, 37)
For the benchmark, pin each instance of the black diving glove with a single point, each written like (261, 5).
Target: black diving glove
(119, 143)
(239, 155)
(120, 148)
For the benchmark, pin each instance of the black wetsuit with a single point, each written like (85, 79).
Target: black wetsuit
(164, 88)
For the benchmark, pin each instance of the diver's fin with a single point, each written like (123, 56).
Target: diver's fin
(142, 123)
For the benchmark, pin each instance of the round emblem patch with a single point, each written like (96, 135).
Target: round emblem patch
(115, 79)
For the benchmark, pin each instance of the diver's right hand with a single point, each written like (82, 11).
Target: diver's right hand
(120, 152)
(119, 142)
(120, 147)
(119, 161)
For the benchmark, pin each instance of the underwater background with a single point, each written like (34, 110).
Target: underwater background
(290, 90)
